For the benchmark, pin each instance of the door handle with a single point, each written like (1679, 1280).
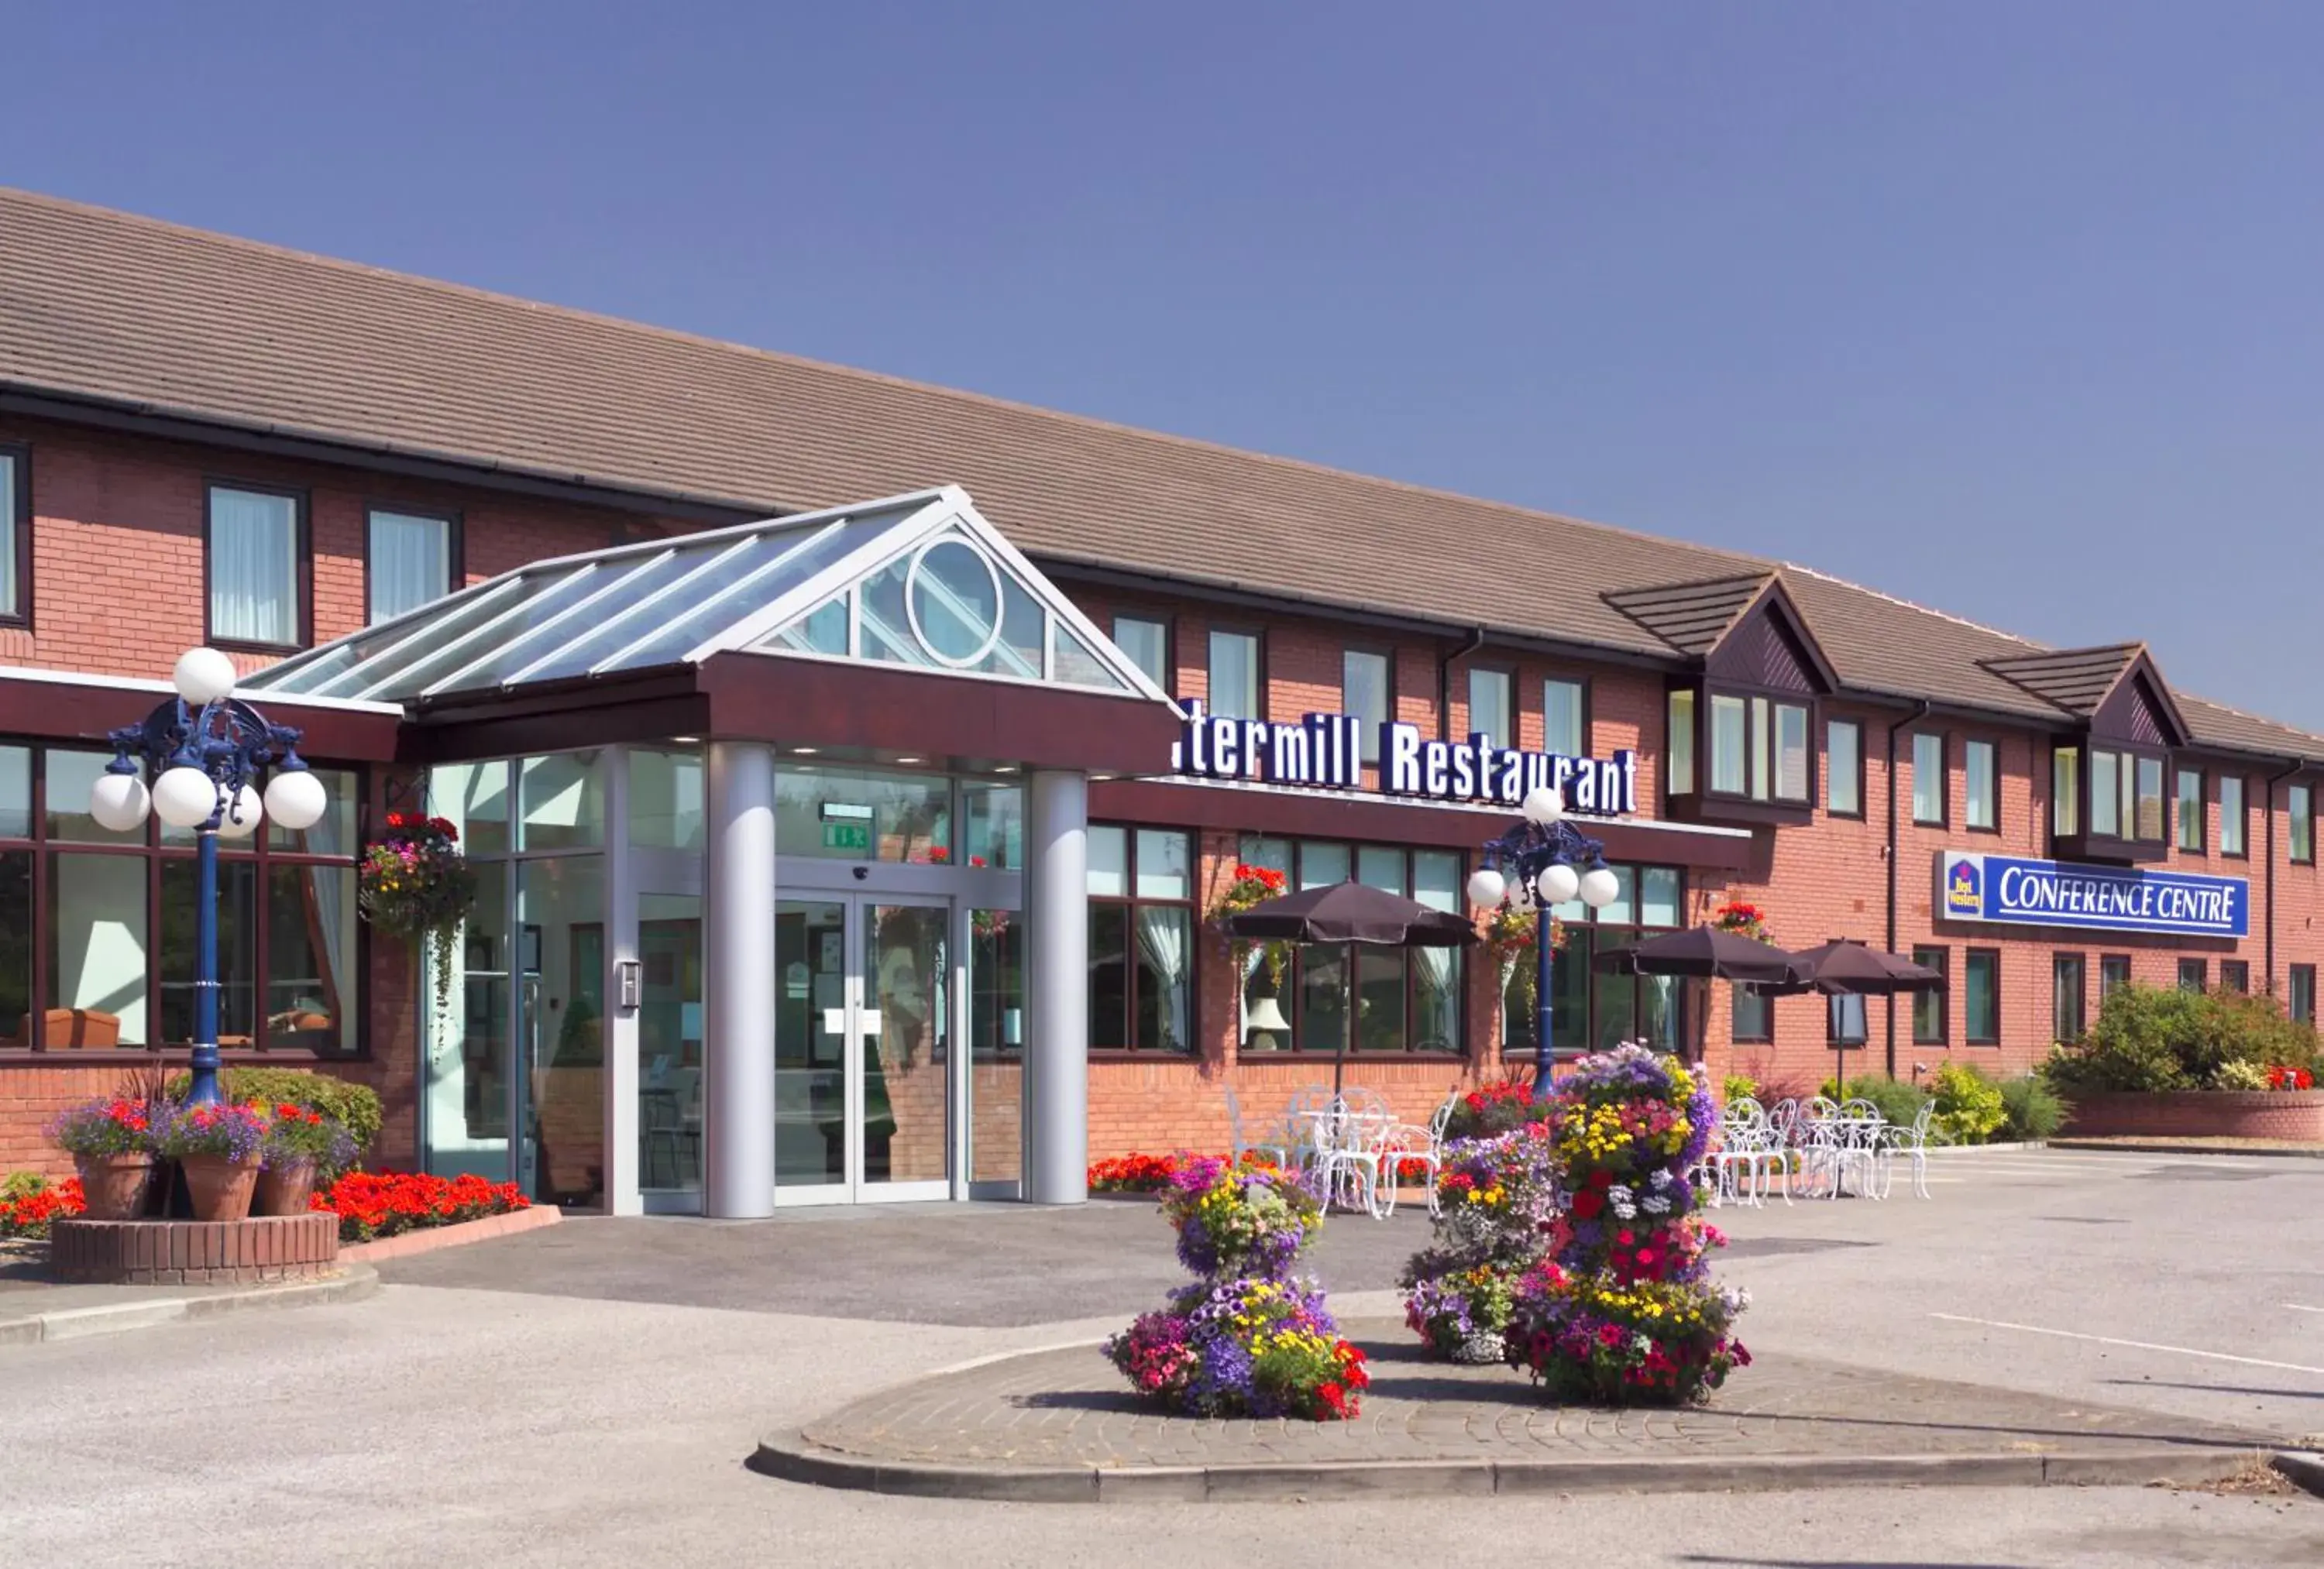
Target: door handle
(835, 1021)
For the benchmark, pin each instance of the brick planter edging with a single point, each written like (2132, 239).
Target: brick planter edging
(427, 1239)
(2204, 1113)
(194, 1252)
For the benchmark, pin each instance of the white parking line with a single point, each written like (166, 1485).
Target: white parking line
(2134, 1344)
(2302, 1307)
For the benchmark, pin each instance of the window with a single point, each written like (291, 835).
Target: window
(1681, 744)
(2066, 996)
(1364, 687)
(2191, 808)
(2301, 831)
(2149, 799)
(2066, 792)
(1843, 768)
(1234, 674)
(2234, 815)
(1141, 946)
(1759, 749)
(1929, 778)
(1930, 1027)
(256, 562)
(1147, 643)
(1488, 704)
(2192, 973)
(2304, 994)
(2107, 790)
(112, 939)
(1594, 1011)
(1729, 731)
(1563, 725)
(2234, 975)
(408, 561)
(1369, 999)
(1981, 995)
(15, 537)
(1792, 764)
(1754, 1015)
(1983, 782)
(1844, 1020)
(2114, 974)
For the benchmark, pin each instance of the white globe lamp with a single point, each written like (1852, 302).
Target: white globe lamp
(240, 819)
(185, 797)
(1544, 806)
(296, 800)
(118, 801)
(203, 675)
(1486, 888)
(1557, 883)
(1600, 887)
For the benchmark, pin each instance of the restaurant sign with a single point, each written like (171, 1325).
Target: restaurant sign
(2016, 891)
(1325, 751)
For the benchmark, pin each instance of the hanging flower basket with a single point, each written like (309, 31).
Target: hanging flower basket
(1249, 887)
(1741, 919)
(1510, 933)
(416, 885)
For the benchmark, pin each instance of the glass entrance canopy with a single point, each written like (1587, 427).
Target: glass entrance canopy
(921, 581)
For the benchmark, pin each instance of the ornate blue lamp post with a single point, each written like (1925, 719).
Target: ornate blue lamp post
(1554, 863)
(203, 748)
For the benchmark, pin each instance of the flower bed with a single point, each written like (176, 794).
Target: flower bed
(378, 1204)
(29, 1202)
(1494, 1200)
(1245, 1339)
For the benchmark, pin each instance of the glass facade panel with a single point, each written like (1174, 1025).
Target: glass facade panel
(1679, 743)
(665, 799)
(333, 833)
(1380, 999)
(1321, 864)
(996, 1039)
(810, 1042)
(1437, 998)
(1843, 768)
(1561, 718)
(96, 957)
(469, 1064)
(1615, 1011)
(1108, 862)
(1981, 995)
(1165, 969)
(16, 955)
(1142, 939)
(1165, 865)
(563, 799)
(1729, 737)
(1489, 705)
(1982, 784)
(1109, 986)
(906, 1118)
(1364, 694)
(845, 815)
(1324, 974)
(311, 958)
(473, 798)
(1146, 642)
(1658, 896)
(735, 585)
(1622, 910)
(1234, 675)
(822, 630)
(1928, 778)
(560, 951)
(67, 779)
(17, 793)
(996, 826)
(1437, 879)
(1075, 662)
(669, 1042)
(1380, 867)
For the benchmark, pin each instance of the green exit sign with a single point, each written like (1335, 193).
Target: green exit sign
(847, 836)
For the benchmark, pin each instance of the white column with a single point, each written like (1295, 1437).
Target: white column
(738, 996)
(621, 1196)
(1056, 989)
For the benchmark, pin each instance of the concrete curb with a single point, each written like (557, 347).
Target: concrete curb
(427, 1239)
(792, 1457)
(2301, 1469)
(357, 1282)
(2163, 1148)
(2020, 1146)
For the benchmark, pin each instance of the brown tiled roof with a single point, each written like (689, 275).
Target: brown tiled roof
(2076, 679)
(1691, 617)
(101, 304)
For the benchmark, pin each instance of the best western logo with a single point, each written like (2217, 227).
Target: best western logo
(1961, 896)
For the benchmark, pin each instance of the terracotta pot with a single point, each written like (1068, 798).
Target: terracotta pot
(219, 1188)
(284, 1188)
(114, 1187)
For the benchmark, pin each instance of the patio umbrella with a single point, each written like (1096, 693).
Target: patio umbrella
(1339, 913)
(1703, 951)
(1844, 969)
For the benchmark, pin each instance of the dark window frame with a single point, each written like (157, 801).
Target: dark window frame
(1738, 992)
(1829, 810)
(2291, 821)
(1386, 652)
(2199, 970)
(1507, 672)
(2242, 819)
(2128, 754)
(1835, 1011)
(1706, 756)
(1129, 902)
(1992, 791)
(303, 572)
(1586, 716)
(2112, 965)
(2080, 963)
(1938, 957)
(2235, 975)
(456, 543)
(2301, 1002)
(257, 852)
(1943, 819)
(1969, 1035)
(2180, 774)
(1169, 625)
(20, 454)
(1256, 633)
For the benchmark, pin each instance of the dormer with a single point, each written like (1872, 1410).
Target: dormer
(2110, 766)
(1742, 739)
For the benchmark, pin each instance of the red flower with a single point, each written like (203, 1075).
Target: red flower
(1589, 1203)
(1601, 1179)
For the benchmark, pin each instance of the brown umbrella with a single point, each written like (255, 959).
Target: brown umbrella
(1845, 969)
(1703, 951)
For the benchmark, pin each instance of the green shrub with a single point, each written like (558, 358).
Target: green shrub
(2240, 1074)
(1969, 1108)
(1897, 1101)
(1737, 1087)
(355, 1106)
(2152, 1039)
(2032, 1108)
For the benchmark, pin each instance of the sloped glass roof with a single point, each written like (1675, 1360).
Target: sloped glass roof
(919, 580)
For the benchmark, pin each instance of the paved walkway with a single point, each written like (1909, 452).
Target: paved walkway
(1059, 1424)
(34, 1308)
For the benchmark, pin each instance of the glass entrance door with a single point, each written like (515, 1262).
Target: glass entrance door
(862, 1060)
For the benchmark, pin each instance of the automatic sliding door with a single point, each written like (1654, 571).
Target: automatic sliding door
(812, 1031)
(905, 1106)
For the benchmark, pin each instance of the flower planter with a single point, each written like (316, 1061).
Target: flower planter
(114, 1187)
(219, 1188)
(2202, 1113)
(284, 1188)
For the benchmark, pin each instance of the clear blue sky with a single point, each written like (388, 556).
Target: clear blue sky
(2012, 309)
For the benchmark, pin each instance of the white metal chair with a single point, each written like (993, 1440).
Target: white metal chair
(1411, 1143)
(1354, 1170)
(1912, 1144)
(1737, 1163)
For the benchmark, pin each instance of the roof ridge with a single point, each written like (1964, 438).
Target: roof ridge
(1900, 600)
(2132, 648)
(882, 378)
(2244, 713)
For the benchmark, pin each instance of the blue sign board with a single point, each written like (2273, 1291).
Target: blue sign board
(2018, 891)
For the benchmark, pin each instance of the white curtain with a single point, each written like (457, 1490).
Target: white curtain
(1440, 1021)
(410, 563)
(254, 567)
(8, 482)
(1162, 944)
(330, 890)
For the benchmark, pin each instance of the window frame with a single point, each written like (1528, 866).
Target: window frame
(1762, 793)
(20, 522)
(2113, 963)
(1169, 627)
(1969, 824)
(2240, 847)
(257, 852)
(1258, 636)
(456, 546)
(1969, 1035)
(2127, 757)
(2199, 969)
(2080, 962)
(2300, 1003)
(2235, 975)
(1681, 742)
(1367, 740)
(1129, 902)
(1944, 780)
(2180, 774)
(1508, 675)
(1856, 727)
(2074, 801)
(1835, 1028)
(2295, 791)
(302, 573)
(1584, 720)
(1736, 992)
(1938, 957)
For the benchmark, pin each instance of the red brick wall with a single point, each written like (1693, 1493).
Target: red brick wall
(2211, 1113)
